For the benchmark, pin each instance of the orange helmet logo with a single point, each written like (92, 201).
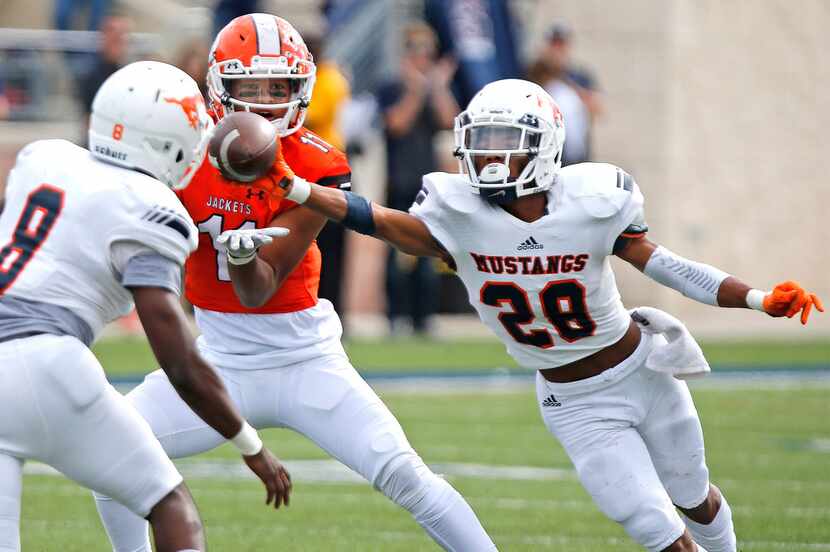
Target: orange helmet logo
(190, 106)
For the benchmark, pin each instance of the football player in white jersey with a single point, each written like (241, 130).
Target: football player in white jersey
(87, 234)
(531, 241)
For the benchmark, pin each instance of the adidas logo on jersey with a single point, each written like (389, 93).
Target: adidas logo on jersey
(530, 243)
(551, 401)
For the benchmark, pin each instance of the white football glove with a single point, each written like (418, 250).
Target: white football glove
(242, 245)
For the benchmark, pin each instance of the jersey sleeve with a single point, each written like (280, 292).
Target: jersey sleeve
(159, 222)
(314, 159)
(141, 266)
(338, 173)
(431, 209)
(630, 222)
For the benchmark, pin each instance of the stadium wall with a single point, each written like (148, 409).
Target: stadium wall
(718, 110)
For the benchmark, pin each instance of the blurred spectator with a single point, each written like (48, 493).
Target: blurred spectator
(192, 58)
(111, 56)
(414, 109)
(4, 101)
(26, 85)
(330, 94)
(481, 35)
(227, 10)
(67, 11)
(574, 89)
(4, 104)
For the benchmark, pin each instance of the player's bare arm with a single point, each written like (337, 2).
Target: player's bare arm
(257, 273)
(401, 230)
(199, 386)
(787, 299)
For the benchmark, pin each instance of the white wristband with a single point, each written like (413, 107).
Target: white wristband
(247, 440)
(300, 190)
(755, 299)
(239, 261)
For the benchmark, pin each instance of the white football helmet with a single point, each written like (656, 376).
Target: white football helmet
(507, 118)
(151, 117)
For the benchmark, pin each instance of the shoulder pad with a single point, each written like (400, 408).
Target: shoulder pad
(452, 191)
(312, 158)
(36, 152)
(153, 216)
(36, 161)
(601, 189)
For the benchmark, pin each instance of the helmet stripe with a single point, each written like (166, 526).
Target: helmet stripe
(268, 34)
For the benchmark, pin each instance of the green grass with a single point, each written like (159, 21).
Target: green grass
(130, 356)
(759, 447)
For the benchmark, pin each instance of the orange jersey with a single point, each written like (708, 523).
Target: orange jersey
(217, 204)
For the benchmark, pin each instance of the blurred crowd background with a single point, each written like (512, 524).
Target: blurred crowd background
(717, 109)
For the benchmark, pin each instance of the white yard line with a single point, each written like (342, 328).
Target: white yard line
(331, 471)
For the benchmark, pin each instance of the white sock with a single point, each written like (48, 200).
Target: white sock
(127, 531)
(700, 548)
(436, 506)
(11, 481)
(718, 536)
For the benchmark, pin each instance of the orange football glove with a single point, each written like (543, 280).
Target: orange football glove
(787, 298)
(277, 181)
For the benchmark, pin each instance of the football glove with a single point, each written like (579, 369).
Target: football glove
(276, 180)
(242, 245)
(788, 298)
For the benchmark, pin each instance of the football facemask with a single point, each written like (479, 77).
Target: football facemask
(507, 121)
(260, 46)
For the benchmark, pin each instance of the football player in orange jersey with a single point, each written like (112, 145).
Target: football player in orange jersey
(275, 345)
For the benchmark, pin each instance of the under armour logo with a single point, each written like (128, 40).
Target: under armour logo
(259, 193)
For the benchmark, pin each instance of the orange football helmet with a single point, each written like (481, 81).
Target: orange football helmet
(256, 46)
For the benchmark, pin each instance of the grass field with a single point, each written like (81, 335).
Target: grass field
(132, 356)
(768, 449)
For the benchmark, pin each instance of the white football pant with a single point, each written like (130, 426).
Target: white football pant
(326, 400)
(636, 442)
(57, 407)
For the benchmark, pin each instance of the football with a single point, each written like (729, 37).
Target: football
(243, 146)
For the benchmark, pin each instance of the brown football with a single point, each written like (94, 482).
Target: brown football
(243, 146)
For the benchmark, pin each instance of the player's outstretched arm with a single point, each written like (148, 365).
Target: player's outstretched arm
(709, 285)
(198, 385)
(401, 230)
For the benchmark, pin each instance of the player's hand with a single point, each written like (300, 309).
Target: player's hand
(273, 475)
(277, 181)
(788, 298)
(242, 245)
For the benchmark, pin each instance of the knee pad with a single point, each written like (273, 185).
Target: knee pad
(684, 473)
(654, 525)
(413, 486)
(688, 486)
(637, 502)
(405, 481)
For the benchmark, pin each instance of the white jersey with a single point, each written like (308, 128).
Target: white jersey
(64, 212)
(546, 287)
